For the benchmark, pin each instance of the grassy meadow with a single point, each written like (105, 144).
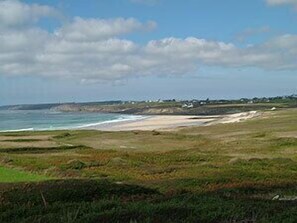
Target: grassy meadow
(240, 172)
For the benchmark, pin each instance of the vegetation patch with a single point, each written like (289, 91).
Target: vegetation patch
(75, 164)
(62, 136)
(260, 135)
(39, 150)
(285, 142)
(22, 140)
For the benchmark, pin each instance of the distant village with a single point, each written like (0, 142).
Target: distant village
(195, 103)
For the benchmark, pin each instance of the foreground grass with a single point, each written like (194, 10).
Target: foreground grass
(103, 201)
(222, 173)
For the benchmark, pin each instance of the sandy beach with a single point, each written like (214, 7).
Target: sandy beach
(172, 122)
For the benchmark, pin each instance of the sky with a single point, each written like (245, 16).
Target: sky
(96, 50)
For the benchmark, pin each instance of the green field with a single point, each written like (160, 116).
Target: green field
(241, 172)
(8, 175)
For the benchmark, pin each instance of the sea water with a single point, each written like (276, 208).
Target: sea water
(27, 120)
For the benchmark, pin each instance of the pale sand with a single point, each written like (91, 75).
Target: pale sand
(172, 122)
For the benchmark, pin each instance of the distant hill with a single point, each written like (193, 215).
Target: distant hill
(53, 105)
(29, 107)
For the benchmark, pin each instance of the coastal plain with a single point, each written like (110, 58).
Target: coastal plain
(224, 172)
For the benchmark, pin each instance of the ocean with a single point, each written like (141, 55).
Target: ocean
(17, 120)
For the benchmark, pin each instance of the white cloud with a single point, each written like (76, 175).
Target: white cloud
(92, 50)
(95, 29)
(15, 13)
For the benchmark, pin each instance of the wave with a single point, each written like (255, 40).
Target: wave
(18, 130)
(120, 119)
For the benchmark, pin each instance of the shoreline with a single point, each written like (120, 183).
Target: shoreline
(171, 122)
(156, 122)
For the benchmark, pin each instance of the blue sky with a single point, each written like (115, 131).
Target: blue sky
(58, 51)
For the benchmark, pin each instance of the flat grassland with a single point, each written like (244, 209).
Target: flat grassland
(239, 172)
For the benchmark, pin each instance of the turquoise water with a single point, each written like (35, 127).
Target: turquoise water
(13, 120)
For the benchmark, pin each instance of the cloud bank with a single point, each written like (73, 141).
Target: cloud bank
(281, 2)
(95, 50)
(292, 3)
